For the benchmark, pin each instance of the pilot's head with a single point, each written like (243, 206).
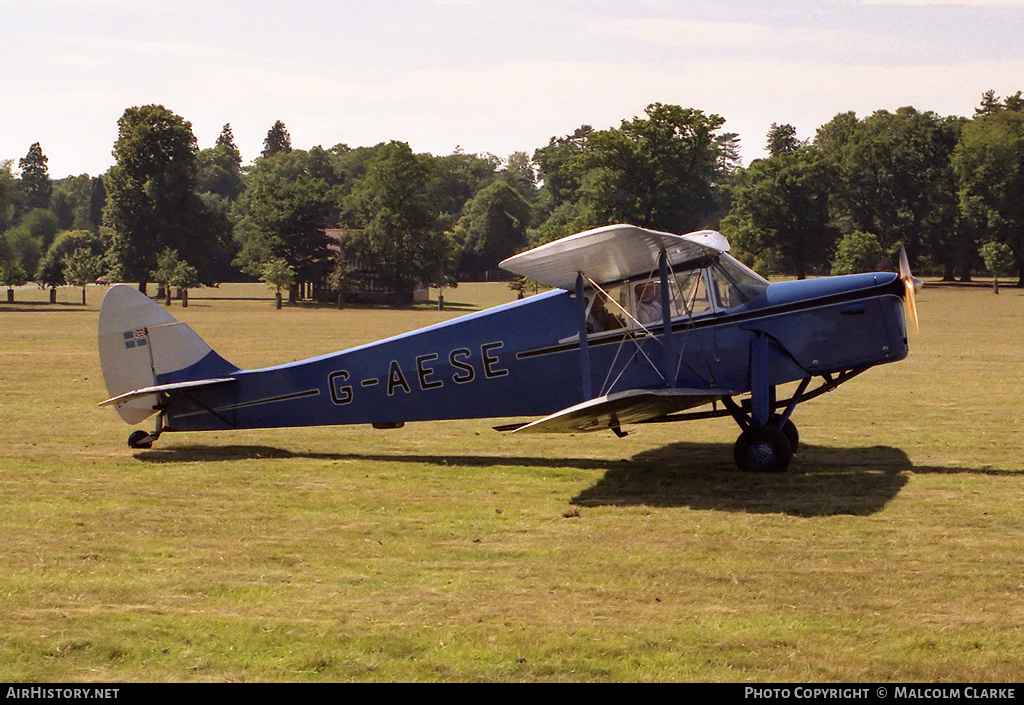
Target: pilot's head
(648, 291)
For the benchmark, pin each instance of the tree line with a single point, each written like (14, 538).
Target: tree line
(950, 189)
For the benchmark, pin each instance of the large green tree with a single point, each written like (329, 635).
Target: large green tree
(519, 173)
(561, 182)
(71, 202)
(458, 178)
(97, 203)
(152, 203)
(558, 209)
(894, 179)
(492, 228)
(782, 139)
(286, 208)
(31, 237)
(220, 172)
(277, 141)
(35, 179)
(349, 165)
(399, 238)
(992, 104)
(50, 272)
(220, 183)
(780, 214)
(8, 184)
(659, 171)
(989, 165)
(226, 138)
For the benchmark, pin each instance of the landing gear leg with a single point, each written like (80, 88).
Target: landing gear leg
(782, 422)
(143, 440)
(788, 429)
(768, 440)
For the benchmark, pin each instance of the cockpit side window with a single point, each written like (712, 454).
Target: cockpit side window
(690, 294)
(687, 296)
(607, 314)
(734, 283)
(647, 295)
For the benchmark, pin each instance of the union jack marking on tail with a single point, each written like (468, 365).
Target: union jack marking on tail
(135, 338)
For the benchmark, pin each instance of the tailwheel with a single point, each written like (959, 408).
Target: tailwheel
(763, 449)
(141, 439)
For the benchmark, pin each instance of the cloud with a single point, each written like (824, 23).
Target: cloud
(1018, 4)
(697, 37)
(490, 82)
(520, 105)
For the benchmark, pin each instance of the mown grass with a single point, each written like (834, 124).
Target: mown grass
(447, 551)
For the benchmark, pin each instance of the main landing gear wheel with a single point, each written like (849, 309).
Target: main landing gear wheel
(763, 449)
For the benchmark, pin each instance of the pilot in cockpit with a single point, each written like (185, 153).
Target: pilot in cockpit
(601, 319)
(648, 307)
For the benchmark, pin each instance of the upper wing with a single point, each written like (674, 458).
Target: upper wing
(611, 253)
(630, 406)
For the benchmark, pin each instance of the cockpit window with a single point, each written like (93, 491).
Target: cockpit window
(648, 302)
(602, 316)
(687, 296)
(735, 284)
(691, 294)
(635, 303)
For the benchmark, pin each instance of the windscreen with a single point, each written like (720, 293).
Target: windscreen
(735, 284)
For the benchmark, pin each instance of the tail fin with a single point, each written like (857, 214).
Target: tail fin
(141, 346)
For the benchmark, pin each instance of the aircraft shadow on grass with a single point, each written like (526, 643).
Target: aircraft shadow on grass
(823, 481)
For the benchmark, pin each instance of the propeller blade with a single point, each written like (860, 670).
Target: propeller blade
(910, 289)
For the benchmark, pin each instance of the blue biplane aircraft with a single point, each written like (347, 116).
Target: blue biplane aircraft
(642, 326)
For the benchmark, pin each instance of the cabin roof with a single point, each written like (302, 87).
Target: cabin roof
(611, 253)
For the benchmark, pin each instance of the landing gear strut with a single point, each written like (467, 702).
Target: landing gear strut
(788, 430)
(768, 440)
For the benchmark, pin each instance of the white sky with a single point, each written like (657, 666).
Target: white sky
(487, 75)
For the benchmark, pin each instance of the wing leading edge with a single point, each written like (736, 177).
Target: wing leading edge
(630, 406)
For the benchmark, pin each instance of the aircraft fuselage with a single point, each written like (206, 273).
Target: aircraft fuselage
(524, 359)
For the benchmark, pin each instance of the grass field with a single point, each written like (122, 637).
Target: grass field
(446, 551)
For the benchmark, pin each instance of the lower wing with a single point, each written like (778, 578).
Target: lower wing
(630, 406)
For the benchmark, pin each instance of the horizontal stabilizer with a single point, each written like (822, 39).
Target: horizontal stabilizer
(165, 388)
(630, 406)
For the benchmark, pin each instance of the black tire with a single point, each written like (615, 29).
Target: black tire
(788, 428)
(136, 440)
(762, 449)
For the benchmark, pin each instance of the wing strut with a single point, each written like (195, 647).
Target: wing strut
(666, 318)
(581, 309)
